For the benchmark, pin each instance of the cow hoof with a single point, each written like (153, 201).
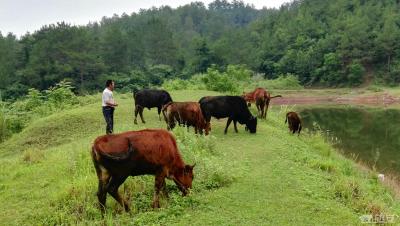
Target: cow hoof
(135, 122)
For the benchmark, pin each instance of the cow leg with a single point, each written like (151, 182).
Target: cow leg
(141, 113)
(113, 190)
(159, 183)
(234, 125)
(266, 108)
(164, 189)
(263, 110)
(104, 178)
(159, 112)
(227, 125)
(136, 113)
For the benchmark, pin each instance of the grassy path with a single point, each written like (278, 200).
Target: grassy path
(46, 176)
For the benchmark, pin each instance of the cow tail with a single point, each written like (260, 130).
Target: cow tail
(286, 118)
(164, 109)
(119, 157)
(276, 96)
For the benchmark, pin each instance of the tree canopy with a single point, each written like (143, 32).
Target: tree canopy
(324, 43)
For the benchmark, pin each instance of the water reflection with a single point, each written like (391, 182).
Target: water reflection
(373, 135)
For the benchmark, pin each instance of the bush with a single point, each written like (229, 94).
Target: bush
(3, 127)
(219, 81)
(234, 80)
(61, 95)
(15, 116)
(355, 73)
(288, 81)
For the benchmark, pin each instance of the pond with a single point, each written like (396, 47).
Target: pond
(372, 136)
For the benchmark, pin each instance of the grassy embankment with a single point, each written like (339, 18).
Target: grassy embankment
(271, 178)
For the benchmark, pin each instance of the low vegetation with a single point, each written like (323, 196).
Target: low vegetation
(272, 177)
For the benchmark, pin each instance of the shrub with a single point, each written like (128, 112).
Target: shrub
(3, 127)
(61, 95)
(219, 81)
(355, 73)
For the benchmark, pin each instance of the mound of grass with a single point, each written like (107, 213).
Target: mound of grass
(56, 129)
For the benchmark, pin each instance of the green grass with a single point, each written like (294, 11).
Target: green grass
(271, 178)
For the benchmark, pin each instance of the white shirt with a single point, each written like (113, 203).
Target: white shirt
(107, 97)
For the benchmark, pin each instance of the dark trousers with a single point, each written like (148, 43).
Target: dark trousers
(108, 113)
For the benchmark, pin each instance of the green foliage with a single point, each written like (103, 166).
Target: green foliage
(356, 72)
(15, 116)
(3, 127)
(288, 81)
(219, 81)
(61, 95)
(320, 42)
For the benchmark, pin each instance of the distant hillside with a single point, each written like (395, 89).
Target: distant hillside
(324, 43)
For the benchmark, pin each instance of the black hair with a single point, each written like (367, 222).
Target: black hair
(109, 82)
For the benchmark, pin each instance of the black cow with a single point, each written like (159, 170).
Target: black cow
(232, 107)
(150, 98)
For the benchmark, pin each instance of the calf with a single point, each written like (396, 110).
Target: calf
(134, 153)
(150, 98)
(232, 107)
(294, 122)
(261, 97)
(186, 113)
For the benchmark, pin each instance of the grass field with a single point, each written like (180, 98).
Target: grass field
(271, 178)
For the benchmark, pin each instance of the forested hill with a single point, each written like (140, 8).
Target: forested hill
(324, 43)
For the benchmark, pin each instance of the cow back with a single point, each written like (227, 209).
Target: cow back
(150, 98)
(225, 106)
(150, 147)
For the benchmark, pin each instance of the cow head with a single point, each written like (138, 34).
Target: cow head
(183, 179)
(251, 125)
(166, 98)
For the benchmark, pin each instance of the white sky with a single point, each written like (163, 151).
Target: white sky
(20, 16)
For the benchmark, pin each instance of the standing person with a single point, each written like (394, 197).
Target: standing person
(109, 105)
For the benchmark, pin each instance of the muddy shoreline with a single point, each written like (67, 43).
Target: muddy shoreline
(384, 99)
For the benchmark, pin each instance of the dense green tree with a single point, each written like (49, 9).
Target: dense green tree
(330, 43)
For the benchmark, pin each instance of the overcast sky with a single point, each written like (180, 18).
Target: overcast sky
(20, 16)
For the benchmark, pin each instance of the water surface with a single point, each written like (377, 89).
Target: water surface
(371, 135)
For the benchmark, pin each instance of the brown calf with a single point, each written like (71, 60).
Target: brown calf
(261, 97)
(294, 122)
(134, 153)
(186, 113)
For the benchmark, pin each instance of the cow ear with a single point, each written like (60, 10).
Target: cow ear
(189, 168)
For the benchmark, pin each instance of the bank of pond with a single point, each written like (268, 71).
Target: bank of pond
(368, 135)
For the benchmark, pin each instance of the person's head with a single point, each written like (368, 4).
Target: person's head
(110, 84)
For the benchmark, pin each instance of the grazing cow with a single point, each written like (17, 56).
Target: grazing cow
(232, 107)
(294, 122)
(261, 98)
(134, 153)
(150, 98)
(186, 113)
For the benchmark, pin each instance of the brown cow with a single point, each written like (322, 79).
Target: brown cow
(186, 113)
(134, 153)
(261, 97)
(294, 122)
